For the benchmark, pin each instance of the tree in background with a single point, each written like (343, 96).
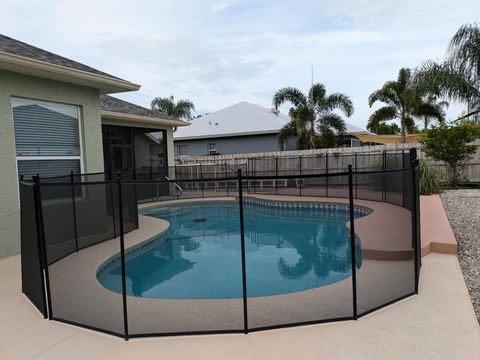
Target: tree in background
(458, 77)
(404, 102)
(431, 109)
(451, 144)
(182, 109)
(312, 112)
(383, 128)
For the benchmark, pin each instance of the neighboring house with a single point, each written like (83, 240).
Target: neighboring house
(55, 118)
(237, 129)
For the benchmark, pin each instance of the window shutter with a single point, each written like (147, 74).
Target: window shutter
(45, 129)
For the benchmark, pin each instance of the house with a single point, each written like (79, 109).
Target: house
(56, 117)
(237, 129)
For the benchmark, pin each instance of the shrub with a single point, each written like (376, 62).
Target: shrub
(450, 144)
(429, 179)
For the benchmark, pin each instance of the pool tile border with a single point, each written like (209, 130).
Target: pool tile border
(321, 206)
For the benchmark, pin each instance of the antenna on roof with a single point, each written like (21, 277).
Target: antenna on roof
(312, 74)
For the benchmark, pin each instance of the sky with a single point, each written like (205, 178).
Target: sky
(220, 52)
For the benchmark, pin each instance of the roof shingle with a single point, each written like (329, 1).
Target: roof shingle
(110, 103)
(15, 47)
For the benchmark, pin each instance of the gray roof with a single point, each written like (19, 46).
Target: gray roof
(239, 120)
(110, 103)
(15, 47)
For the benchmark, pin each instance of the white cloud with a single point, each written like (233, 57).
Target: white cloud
(218, 52)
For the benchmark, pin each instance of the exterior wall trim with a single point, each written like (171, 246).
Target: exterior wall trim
(114, 118)
(23, 65)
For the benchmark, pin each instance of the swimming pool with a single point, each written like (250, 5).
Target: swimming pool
(290, 247)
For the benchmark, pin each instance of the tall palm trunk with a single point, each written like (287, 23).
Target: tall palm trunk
(425, 123)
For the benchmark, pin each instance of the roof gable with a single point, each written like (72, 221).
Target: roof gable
(19, 57)
(15, 47)
(117, 110)
(240, 120)
(236, 120)
(110, 103)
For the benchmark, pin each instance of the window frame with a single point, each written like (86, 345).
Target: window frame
(182, 146)
(50, 157)
(210, 151)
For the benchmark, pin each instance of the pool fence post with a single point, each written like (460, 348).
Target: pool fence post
(276, 175)
(122, 256)
(112, 203)
(300, 172)
(152, 186)
(415, 214)
(403, 178)
(41, 240)
(254, 174)
(39, 247)
(352, 241)
(74, 211)
(384, 177)
(242, 243)
(226, 176)
(356, 176)
(326, 172)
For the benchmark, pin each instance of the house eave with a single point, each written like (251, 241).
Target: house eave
(42, 69)
(201, 137)
(116, 118)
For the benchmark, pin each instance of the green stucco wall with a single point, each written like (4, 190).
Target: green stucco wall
(13, 84)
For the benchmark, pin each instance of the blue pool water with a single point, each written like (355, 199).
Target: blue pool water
(287, 250)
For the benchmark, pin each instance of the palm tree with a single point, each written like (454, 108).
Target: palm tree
(312, 112)
(431, 109)
(401, 101)
(383, 128)
(458, 77)
(464, 51)
(293, 128)
(404, 102)
(180, 110)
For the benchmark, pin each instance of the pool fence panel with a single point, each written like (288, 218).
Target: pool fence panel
(76, 226)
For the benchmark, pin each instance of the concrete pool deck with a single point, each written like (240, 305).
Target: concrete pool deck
(439, 323)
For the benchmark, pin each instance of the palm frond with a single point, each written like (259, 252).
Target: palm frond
(385, 113)
(183, 109)
(337, 101)
(444, 80)
(332, 122)
(165, 105)
(317, 93)
(430, 110)
(288, 130)
(289, 94)
(404, 78)
(408, 123)
(464, 51)
(389, 94)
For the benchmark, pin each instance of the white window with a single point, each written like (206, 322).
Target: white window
(212, 148)
(47, 138)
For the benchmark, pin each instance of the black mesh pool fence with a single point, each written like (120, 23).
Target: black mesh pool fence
(108, 251)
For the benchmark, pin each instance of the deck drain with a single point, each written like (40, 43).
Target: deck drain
(197, 220)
